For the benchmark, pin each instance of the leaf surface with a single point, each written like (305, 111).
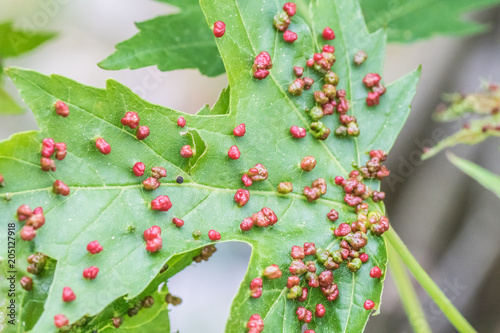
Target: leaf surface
(175, 41)
(411, 20)
(106, 198)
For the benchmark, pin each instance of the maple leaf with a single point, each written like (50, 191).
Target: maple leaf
(107, 199)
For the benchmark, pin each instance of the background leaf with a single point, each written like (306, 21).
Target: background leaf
(410, 20)
(481, 175)
(174, 41)
(114, 199)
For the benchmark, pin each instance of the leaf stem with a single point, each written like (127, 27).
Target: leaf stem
(407, 293)
(449, 310)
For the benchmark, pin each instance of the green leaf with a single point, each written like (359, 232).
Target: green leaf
(7, 104)
(106, 198)
(174, 41)
(481, 175)
(14, 42)
(410, 20)
(474, 134)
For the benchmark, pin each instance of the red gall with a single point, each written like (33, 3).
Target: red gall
(290, 8)
(246, 180)
(241, 197)
(138, 169)
(257, 173)
(47, 164)
(68, 295)
(161, 203)
(333, 215)
(298, 71)
(103, 146)
(152, 233)
(292, 281)
(60, 320)
(233, 153)
(186, 151)
(142, 132)
(214, 235)
(48, 147)
(154, 245)
(369, 304)
(309, 249)
(158, 172)
(297, 252)
(320, 310)
(60, 188)
(90, 273)
(178, 222)
(272, 272)
(364, 257)
(328, 49)
(131, 119)
(61, 150)
(303, 297)
(62, 109)
(151, 184)
(289, 36)
(373, 99)
(328, 34)
(219, 30)
(255, 324)
(181, 122)
(26, 283)
(239, 130)
(23, 212)
(371, 79)
(246, 224)
(94, 247)
(376, 272)
(308, 163)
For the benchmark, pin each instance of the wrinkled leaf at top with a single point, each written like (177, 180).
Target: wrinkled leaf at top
(14, 41)
(411, 20)
(106, 198)
(175, 41)
(481, 175)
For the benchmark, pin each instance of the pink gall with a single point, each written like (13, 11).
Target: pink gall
(61, 151)
(62, 109)
(131, 119)
(320, 310)
(239, 130)
(94, 247)
(181, 122)
(234, 153)
(162, 203)
(68, 295)
(138, 169)
(297, 132)
(369, 304)
(152, 233)
(27, 233)
(60, 320)
(246, 224)
(60, 188)
(154, 245)
(246, 180)
(214, 235)
(186, 151)
(151, 184)
(328, 34)
(297, 252)
(290, 8)
(309, 249)
(178, 222)
(289, 36)
(241, 197)
(376, 272)
(103, 146)
(142, 132)
(272, 272)
(219, 30)
(371, 79)
(158, 172)
(90, 273)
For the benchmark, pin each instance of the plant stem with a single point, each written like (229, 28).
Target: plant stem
(406, 292)
(449, 310)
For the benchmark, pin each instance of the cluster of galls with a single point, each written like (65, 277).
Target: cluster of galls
(36, 263)
(261, 65)
(153, 239)
(147, 302)
(49, 148)
(256, 174)
(255, 324)
(355, 191)
(34, 220)
(153, 182)
(132, 119)
(317, 189)
(205, 254)
(377, 89)
(373, 168)
(282, 21)
(263, 218)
